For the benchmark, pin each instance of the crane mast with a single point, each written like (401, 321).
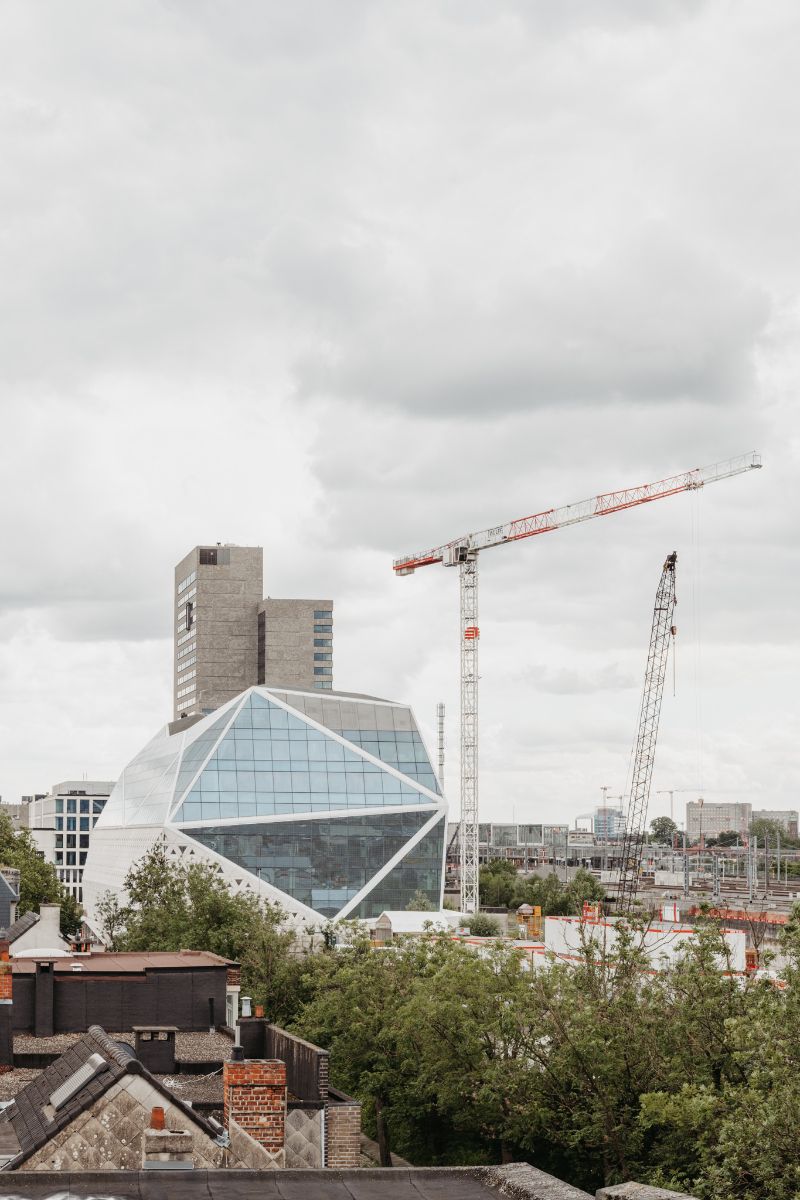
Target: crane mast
(463, 552)
(662, 631)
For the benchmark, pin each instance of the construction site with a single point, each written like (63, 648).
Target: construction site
(735, 881)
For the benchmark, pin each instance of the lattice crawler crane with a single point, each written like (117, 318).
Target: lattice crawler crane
(662, 633)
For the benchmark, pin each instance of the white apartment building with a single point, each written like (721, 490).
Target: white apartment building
(61, 823)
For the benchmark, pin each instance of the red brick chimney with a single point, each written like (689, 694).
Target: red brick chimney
(6, 1011)
(254, 1093)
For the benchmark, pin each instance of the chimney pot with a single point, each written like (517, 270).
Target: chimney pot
(157, 1118)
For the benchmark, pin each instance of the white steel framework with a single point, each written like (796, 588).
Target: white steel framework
(470, 636)
(463, 552)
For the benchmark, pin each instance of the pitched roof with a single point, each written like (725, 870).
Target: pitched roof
(25, 1126)
(20, 926)
(6, 890)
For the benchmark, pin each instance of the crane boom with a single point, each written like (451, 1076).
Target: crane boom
(463, 553)
(571, 514)
(662, 631)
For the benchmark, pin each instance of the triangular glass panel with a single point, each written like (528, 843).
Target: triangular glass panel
(322, 863)
(196, 751)
(419, 870)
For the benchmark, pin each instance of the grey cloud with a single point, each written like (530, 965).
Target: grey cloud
(566, 681)
(655, 320)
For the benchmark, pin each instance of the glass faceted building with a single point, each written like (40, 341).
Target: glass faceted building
(329, 805)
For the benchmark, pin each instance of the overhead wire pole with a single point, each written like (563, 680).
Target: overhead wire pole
(462, 552)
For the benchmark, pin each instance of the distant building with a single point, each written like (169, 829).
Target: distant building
(535, 842)
(608, 824)
(710, 820)
(19, 812)
(228, 638)
(787, 818)
(61, 824)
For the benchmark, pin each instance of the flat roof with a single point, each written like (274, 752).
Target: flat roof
(394, 1183)
(106, 962)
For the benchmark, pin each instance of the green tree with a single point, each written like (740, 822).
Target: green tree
(419, 902)
(353, 1010)
(728, 837)
(497, 881)
(172, 905)
(766, 830)
(482, 925)
(663, 830)
(39, 883)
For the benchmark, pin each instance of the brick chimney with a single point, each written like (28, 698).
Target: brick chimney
(6, 1011)
(254, 1093)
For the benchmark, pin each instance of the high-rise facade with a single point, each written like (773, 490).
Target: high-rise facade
(608, 824)
(217, 593)
(227, 638)
(295, 643)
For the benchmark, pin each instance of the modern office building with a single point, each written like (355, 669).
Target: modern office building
(328, 804)
(62, 823)
(787, 818)
(608, 824)
(710, 820)
(227, 638)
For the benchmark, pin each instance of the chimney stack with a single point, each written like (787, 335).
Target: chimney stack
(6, 1011)
(254, 1093)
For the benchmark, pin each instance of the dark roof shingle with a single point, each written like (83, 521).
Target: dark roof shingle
(34, 1128)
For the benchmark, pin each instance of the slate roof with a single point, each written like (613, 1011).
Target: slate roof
(20, 926)
(8, 896)
(25, 1127)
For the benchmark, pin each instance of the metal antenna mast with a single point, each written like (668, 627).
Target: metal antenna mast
(661, 633)
(462, 552)
(440, 741)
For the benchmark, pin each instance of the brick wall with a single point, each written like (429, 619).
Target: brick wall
(254, 1095)
(343, 1135)
(6, 1011)
(234, 977)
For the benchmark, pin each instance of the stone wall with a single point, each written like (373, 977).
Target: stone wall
(110, 1135)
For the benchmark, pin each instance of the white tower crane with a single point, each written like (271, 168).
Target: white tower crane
(462, 552)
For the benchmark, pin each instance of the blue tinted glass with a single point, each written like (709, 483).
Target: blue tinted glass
(403, 750)
(325, 863)
(419, 870)
(194, 754)
(271, 762)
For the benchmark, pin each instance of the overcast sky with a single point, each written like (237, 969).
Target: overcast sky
(350, 279)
